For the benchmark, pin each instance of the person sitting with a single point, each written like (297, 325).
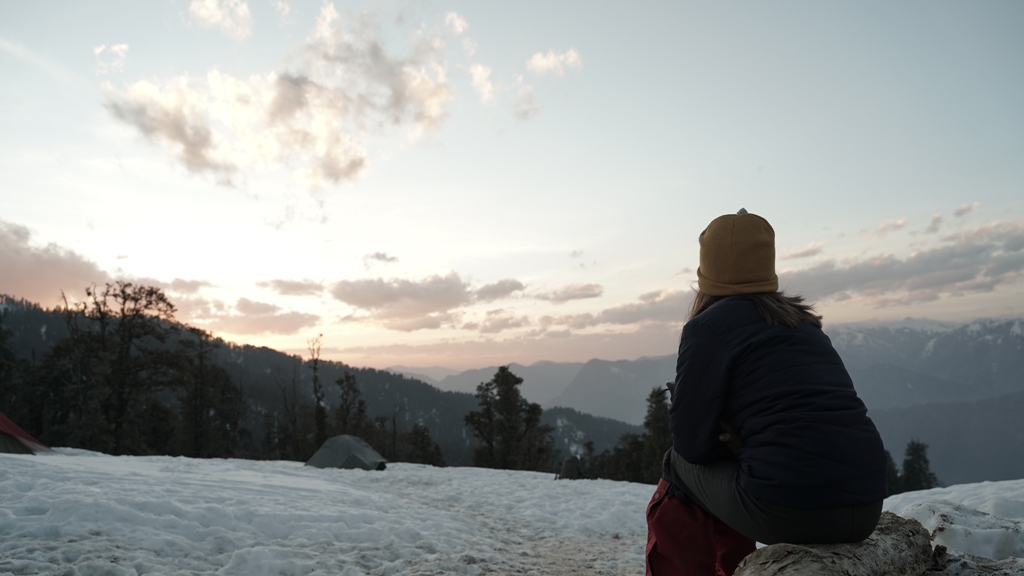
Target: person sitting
(770, 442)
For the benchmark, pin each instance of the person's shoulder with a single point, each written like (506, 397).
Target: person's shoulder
(730, 310)
(721, 317)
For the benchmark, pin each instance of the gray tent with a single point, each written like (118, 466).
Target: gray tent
(347, 452)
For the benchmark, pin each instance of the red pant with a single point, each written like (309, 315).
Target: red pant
(684, 540)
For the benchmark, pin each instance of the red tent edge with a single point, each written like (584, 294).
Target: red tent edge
(27, 440)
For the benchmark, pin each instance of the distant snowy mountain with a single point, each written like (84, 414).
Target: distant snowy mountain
(985, 358)
(895, 364)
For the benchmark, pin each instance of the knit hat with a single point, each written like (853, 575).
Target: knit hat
(737, 256)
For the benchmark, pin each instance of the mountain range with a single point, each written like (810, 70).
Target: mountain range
(957, 387)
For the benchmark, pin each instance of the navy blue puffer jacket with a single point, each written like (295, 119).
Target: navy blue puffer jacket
(807, 439)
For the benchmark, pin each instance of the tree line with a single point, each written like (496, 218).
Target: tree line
(128, 379)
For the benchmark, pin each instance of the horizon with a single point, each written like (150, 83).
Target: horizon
(456, 184)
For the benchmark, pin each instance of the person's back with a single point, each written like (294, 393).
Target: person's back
(807, 440)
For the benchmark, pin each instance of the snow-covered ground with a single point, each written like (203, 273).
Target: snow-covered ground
(81, 513)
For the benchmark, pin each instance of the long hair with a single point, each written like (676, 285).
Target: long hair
(775, 307)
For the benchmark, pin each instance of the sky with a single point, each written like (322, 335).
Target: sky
(468, 184)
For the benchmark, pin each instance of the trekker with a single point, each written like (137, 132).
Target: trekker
(770, 442)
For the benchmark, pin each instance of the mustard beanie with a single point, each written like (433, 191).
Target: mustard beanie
(737, 256)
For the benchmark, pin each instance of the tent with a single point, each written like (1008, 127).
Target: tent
(14, 440)
(347, 452)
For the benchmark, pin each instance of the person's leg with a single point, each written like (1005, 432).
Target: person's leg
(731, 547)
(680, 537)
(716, 487)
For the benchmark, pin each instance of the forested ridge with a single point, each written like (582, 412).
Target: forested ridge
(65, 375)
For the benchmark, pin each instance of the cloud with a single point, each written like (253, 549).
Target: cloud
(382, 257)
(231, 17)
(283, 8)
(812, 249)
(965, 209)
(187, 286)
(470, 46)
(656, 306)
(114, 61)
(173, 115)
(293, 287)
(575, 253)
(525, 105)
(970, 261)
(253, 317)
(499, 289)
(39, 274)
(554, 62)
(571, 292)
(345, 87)
(481, 76)
(499, 320)
(38, 61)
(885, 228)
(401, 304)
(404, 299)
(936, 222)
(455, 23)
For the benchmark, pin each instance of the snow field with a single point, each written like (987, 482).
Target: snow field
(983, 519)
(78, 513)
(82, 513)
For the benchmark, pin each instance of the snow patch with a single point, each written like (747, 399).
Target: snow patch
(984, 519)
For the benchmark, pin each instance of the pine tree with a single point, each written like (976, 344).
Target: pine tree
(657, 439)
(319, 409)
(420, 448)
(210, 404)
(892, 475)
(509, 427)
(483, 424)
(917, 474)
(350, 416)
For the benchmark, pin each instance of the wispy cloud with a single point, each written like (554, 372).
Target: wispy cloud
(497, 290)
(935, 224)
(38, 61)
(282, 8)
(812, 249)
(378, 258)
(252, 317)
(40, 273)
(500, 320)
(965, 209)
(883, 230)
(526, 106)
(970, 261)
(569, 292)
(457, 24)
(230, 17)
(293, 287)
(554, 62)
(110, 59)
(315, 117)
(481, 81)
(402, 304)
